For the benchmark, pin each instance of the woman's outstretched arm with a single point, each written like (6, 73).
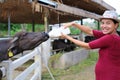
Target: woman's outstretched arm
(83, 28)
(77, 42)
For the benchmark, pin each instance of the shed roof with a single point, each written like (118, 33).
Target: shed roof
(23, 11)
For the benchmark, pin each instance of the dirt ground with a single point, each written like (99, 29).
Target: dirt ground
(86, 74)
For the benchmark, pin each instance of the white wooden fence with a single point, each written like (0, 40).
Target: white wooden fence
(10, 66)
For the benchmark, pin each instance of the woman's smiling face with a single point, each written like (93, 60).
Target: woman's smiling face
(108, 26)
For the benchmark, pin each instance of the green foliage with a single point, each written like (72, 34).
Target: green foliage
(3, 27)
(17, 28)
(39, 28)
(74, 30)
(55, 57)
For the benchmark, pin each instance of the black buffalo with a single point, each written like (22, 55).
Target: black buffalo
(89, 38)
(20, 42)
(63, 45)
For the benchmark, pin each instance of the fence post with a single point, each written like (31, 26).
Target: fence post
(7, 65)
(37, 59)
(9, 71)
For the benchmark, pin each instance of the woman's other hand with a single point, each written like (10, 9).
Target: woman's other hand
(63, 36)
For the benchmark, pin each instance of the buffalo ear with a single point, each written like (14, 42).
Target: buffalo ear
(14, 39)
(13, 43)
(11, 46)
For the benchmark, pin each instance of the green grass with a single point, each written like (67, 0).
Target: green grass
(57, 73)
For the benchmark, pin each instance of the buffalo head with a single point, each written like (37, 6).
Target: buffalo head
(21, 41)
(26, 41)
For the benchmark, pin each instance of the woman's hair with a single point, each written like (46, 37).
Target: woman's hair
(114, 21)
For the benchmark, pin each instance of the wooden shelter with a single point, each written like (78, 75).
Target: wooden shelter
(29, 11)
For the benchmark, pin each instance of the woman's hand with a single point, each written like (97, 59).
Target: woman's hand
(66, 25)
(64, 36)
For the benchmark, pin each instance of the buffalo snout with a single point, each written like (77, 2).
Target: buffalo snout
(45, 36)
